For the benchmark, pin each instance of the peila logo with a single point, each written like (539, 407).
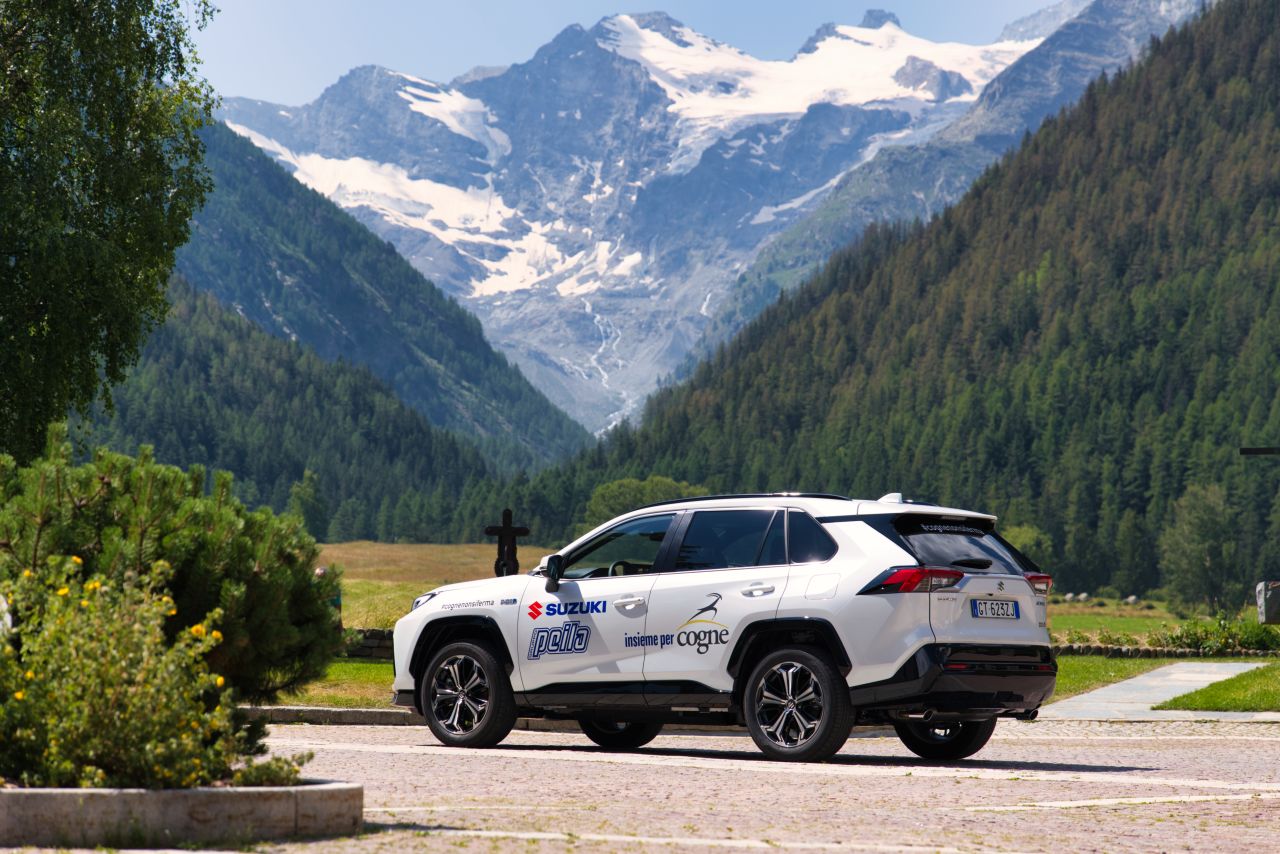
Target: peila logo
(569, 639)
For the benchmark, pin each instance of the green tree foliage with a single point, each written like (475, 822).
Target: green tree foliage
(212, 389)
(1198, 552)
(619, 496)
(306, 502)
(298, 266)
(1091, 329)
(100, 171)
(117, 516)
(1031, 541)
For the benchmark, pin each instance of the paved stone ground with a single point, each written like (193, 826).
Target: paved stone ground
(1041, 786)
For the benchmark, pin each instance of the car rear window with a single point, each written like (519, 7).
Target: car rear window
(807, 541)
(965, 543)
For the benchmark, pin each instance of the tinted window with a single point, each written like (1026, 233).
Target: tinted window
(724, 538)
(967, 544)
(774, 550)
(807, 541)
(625, 549)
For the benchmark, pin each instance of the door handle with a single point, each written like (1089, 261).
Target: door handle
(629, 602)
(757, 590)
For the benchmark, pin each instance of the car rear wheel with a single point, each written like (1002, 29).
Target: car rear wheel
(945, 741)
(618, 735)
(466, 696)
(797, 705)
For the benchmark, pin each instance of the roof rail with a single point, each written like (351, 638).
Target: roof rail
(749, 495)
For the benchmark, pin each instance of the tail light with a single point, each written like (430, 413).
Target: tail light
(1039, 582)
(913, 579)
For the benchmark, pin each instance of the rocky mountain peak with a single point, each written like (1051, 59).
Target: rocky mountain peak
(874, 19)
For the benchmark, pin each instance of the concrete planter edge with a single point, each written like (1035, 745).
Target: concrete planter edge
(90, 818)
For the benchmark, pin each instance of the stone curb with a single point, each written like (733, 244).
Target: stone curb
(1157, 652)
(91, 818)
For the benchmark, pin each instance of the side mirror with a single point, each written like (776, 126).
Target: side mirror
(555, 565)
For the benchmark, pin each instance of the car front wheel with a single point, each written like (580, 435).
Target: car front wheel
(945, 741)
(466, 696)
(797, 706)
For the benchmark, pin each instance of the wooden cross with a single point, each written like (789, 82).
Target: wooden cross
(507, 563)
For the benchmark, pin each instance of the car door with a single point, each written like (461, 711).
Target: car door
(591, 629)
(728, 570)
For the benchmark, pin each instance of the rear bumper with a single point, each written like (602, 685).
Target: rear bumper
(962, 680)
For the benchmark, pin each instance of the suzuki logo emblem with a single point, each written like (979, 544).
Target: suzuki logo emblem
(1000, 585)
(535, 610)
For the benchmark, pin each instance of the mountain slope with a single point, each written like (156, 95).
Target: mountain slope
(918, 181)
(211, 388)
(1091, 330)
(600, 191)
(293, 263)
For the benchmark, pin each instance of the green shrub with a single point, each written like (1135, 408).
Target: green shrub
(1221, 634)
(92, 692)
(119, 516)
(1110, 638)
(1106, 591)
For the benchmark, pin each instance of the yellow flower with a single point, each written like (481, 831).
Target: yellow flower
(30, 674)
(93, 585)
(26, 573)
(172, 611)
(220, 682)
(63, 591)
(19, 695)
(77, 560)
(198, 630)
(216, 635)
(84, 603)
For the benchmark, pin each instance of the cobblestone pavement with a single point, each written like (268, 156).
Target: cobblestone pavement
(1042, 786)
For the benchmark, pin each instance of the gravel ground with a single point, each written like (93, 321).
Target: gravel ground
(1042, 786)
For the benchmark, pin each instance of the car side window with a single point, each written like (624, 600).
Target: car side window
(625, 549)
(718, 539)
(807, 540)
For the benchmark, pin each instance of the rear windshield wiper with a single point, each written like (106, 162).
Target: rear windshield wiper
(973, 562)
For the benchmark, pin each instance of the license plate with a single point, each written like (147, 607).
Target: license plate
(1001, 609)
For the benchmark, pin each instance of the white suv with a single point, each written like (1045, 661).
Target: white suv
(795, 615)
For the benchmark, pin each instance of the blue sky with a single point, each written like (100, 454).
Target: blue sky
(288, 51)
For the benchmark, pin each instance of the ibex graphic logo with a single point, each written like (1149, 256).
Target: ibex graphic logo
(709, 608)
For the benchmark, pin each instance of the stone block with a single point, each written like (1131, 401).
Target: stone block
(1269, 602)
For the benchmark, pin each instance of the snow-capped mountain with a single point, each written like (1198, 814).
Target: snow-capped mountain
(917, 181)
(593, 204)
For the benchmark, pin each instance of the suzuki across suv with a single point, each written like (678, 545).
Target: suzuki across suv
(797, 616)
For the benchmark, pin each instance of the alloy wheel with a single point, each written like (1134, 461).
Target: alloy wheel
(459, 694)
(789, 704)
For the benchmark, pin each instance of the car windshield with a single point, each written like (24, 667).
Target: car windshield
(965, 543)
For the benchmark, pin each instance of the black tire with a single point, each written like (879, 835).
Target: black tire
(483, 712)
(618, 735)
(797, 705)
(946, 742)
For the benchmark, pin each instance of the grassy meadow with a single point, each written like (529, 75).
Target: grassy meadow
(381, 580)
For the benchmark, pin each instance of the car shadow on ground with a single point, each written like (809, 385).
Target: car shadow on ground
(847, 759)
